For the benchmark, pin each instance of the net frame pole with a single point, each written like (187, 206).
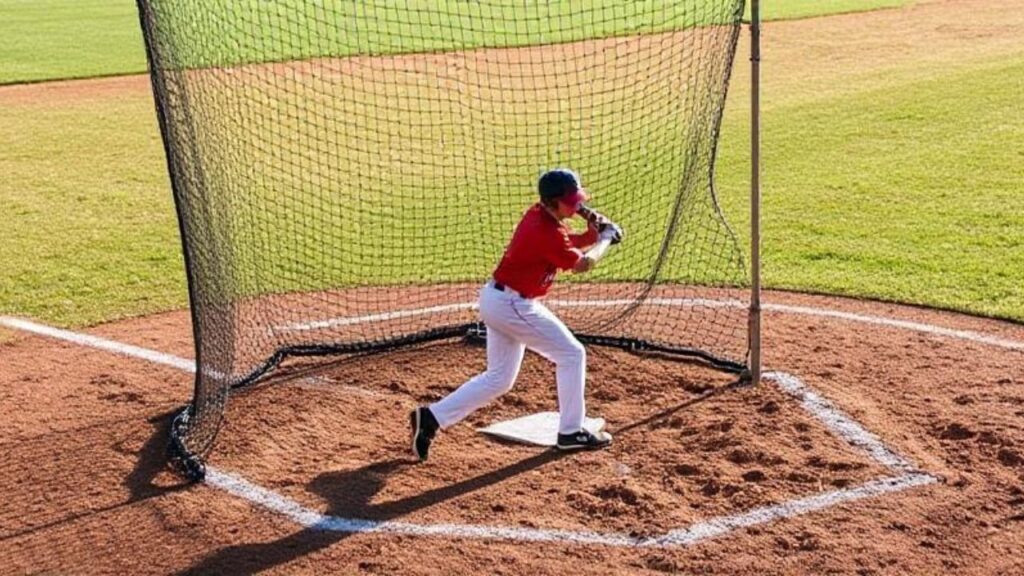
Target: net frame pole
(755, 191)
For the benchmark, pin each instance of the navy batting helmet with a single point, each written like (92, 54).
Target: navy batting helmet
(561, 184)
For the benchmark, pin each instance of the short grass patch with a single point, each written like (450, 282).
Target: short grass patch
(796, 9)
(61, 39)
(89, 231)
(54, 39)
(901, 186)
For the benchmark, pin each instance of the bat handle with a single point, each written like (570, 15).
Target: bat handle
(589, 214)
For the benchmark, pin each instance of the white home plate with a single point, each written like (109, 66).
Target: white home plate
(540, 429)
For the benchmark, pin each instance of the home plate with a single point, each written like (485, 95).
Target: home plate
(540, 429)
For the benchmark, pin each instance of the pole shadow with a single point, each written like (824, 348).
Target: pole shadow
(662, 415)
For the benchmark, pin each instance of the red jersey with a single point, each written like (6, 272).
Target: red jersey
(540, 247)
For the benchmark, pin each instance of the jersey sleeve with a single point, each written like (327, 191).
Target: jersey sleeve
(584, 239)
(560, 251)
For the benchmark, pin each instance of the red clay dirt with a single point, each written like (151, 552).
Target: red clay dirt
(85, 489)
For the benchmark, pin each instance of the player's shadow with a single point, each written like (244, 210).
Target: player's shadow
(349, 494)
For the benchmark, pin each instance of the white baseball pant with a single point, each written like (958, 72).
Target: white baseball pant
(513, 324)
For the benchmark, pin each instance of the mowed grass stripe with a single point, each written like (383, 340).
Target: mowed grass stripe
(57, 39)
(60, 39)
(89, 231)
(353, 182)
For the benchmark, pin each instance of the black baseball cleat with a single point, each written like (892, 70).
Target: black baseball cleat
(424, 426)
(584, 440)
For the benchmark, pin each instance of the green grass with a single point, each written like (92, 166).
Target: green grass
(909, 193)
(902, 185)
(59, 39)
(795, 9)
(886, 193)
(373, 201)
(289, 30)
(89, 230)
(52, 39)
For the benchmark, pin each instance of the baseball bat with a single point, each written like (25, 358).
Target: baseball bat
(596, 219)
(589, 214)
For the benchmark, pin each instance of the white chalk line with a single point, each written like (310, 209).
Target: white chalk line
(310, 519)
(463, 306)
(834, 419)
(723, 525)
(100, 343)
(148, 354)
(968, 335)
(385, 316)
(839, 423)
(348, 321)
(680, 302)
(689, 535)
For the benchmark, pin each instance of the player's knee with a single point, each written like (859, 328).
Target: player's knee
(501, 381)
(506, 384)
(574, 353)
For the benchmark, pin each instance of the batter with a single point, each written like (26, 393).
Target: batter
(516, 319)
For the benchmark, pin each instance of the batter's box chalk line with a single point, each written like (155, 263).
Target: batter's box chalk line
(968, 335)
(904, 474)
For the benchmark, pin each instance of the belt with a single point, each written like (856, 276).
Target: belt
(502, 288)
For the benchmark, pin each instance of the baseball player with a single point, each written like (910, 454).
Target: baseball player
(516, 319)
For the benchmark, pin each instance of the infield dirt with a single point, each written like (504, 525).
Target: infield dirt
(86, 491)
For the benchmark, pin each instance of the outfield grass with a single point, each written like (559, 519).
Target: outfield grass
(352, 180)
(52, 39)
(795, 9)
(88, 229)
(910, 194)
(256, 31)
(903, 186)
(881, 193)
(60, 39)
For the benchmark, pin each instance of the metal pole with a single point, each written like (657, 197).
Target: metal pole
(755, 191)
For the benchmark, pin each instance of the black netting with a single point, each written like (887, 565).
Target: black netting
(347, 174)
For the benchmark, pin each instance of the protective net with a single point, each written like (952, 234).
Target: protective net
(347, 174)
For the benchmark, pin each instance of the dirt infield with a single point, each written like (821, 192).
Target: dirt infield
(86, 492)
